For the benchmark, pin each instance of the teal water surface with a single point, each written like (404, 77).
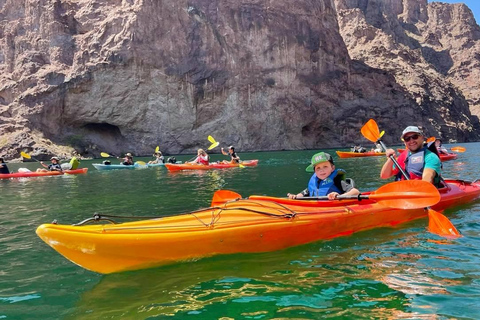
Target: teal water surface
(387, 273)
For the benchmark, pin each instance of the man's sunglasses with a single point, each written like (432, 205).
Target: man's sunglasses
(414, 137)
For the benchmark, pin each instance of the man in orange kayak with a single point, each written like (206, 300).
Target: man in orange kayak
(417, 161)
(326, 180)
(55, 166)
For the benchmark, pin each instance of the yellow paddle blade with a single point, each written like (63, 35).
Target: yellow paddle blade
(241, 165)
(214, 145)
(407, 194)
(142, 163)
(105, 155)
(157, 149)
(370, 131)
(382, 133)
(440, 225)
(212, 141)
(458, 149)
(25, 155)
(222, 196)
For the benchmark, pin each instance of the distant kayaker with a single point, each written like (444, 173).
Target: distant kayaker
(202, 158)
(158, 158)
(127, 160)
(54, 166)
(234, 158)
(326, 180)
(3, 167)
(441, 149)
(417, 161)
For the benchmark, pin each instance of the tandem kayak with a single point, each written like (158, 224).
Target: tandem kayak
(101, 166)
(349, 154)
(443, 156)
(41, 174)
(221, 165)
(256, 224)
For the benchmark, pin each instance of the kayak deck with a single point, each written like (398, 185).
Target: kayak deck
(349, 154)
(256, 224)
(41, 174)
(220, 165)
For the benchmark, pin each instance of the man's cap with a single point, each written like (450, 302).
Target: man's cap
(128, 154)
(55, 158)
(412, 129)
(318, 158)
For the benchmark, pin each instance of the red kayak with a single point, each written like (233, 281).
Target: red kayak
(349, 154)
(443, 156)
(221, 165)
(41, 174)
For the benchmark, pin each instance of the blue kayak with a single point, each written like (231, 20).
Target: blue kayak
(101, 166)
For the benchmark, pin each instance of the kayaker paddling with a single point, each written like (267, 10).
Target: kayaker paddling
(234, 158)
(202, 158)
(417, 161)
(127, 160)
(326, 180)
(54, 166)
(3, 167)
(158, 158)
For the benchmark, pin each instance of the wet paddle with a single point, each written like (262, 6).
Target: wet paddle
(106, 155)
(406, 194)
(27, 156)
(214, 143)
(437, 222)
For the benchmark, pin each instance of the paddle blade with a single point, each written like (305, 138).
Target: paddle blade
(214, 145)
(458, 149)
(407, 194)
(382, 133)
(157, 149)
(370, 131)
(431, 139)
(105, 155)
(241, 165)
(141, 163)
(440, 225)
(222, 196)
(25, 155)
(212, 141)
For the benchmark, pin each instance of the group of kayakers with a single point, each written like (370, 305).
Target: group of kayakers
(419, 161)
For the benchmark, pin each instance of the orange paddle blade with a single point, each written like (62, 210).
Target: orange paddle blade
(407, 194)
(440, 225)
(458, 149)
(222, 196)
(431, 139)
(370, 131)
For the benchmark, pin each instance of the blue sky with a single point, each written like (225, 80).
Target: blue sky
(474, 5)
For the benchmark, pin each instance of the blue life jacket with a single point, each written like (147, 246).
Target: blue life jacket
(317, 187)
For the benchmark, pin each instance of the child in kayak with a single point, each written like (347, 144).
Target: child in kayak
(55, 166)
(202, 158)
(234, 158)
(326, 180)
(158, 158)
(3, 167)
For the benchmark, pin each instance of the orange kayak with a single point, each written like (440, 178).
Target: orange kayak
(41, 174)
(221, 165)
(349, 154)
(257, 224)
(443, 156)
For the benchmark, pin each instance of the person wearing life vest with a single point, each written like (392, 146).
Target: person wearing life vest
(55, 166)
(202, 158)
(3, 167)
(234, 158)
(418, 162)
(326, 180)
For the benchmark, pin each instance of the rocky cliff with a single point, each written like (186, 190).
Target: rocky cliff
(117, 76)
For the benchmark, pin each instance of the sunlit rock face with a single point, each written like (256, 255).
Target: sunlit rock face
(432, 50)
(126, 76)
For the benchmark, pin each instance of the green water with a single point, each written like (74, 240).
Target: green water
(379, 274)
